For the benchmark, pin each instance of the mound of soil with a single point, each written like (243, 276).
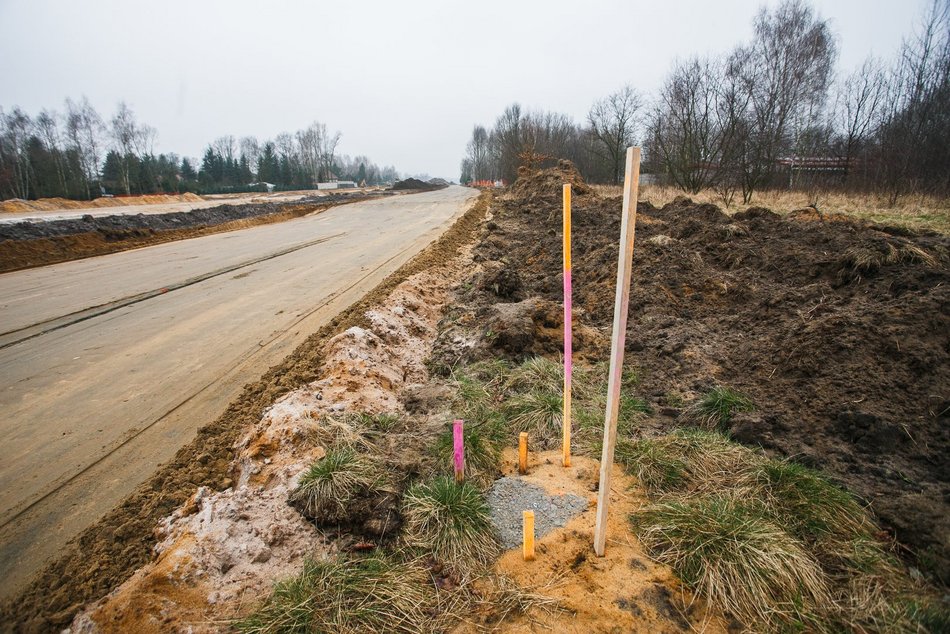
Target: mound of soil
(29, 244)
(414, 183)
(57, 204)
(838, 330)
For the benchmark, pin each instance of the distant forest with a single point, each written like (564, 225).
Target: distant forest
(772, 113)
(78, 154)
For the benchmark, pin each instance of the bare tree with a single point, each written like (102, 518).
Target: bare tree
(250, 151)
(124, 131)
(786, 71)
(84, 130)
(15, 130)
(309, 142)
(613, 121)
(858, 109)
(477, 154)
(914, 150)
(328, 145)
(47, 129)
(685, 125)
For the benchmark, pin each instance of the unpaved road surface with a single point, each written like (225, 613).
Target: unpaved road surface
(112, 363)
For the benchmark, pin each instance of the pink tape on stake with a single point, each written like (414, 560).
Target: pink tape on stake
(459, 453)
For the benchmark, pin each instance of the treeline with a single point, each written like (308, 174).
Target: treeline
(78, 154)
(771, 113)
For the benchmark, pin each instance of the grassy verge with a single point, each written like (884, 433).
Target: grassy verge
(772, 542)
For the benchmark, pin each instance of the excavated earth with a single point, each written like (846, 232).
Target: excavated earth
(28, 244)
(838, 330)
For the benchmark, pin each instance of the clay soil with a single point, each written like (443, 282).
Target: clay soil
(57, 204)
(30, 244)
(838, 330)
(108, 553)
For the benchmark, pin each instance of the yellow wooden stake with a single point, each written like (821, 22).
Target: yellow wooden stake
(628, 223)
(528, 535)
(523, 453)
(568, 343)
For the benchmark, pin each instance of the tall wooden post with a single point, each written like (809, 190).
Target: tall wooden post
(628, 224)
(568, 343)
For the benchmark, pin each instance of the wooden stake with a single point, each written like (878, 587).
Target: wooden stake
(628, 223)
(459, 450)
(523, 453)
(568, 343)
(528, 548)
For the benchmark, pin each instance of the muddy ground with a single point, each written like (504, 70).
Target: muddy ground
(109, 552)
(839, 331)
(29, 244)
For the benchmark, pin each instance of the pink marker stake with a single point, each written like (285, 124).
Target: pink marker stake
(568, 339)
(459, 453)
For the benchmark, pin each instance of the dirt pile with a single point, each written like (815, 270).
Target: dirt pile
(415, 183)
(838, 330)
(29, 244)
(15, 205)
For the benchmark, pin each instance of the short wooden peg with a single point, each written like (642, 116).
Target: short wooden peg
(523, 453)
(529, 535)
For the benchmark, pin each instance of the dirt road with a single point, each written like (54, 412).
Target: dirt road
(110, 364)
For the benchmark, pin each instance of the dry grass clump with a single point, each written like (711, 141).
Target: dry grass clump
(529, 397)
(378, 593)
(328, 488)
(450, 521)
(716, 408)
(773, 542)
(689, 461)
(733, 554)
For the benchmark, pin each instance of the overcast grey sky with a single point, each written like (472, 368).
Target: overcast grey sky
(403, 81)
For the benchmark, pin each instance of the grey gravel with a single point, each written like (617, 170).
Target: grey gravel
(509, 497)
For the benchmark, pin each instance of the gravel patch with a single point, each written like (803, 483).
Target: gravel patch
(507, 499)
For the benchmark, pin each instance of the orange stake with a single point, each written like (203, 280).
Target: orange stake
(528, 549)
(523, 453)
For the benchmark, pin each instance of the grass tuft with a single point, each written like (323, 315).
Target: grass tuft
(349, 595)
(808, 505)
(733, 554)
(451, 521)
(716, 408)
(330, 485)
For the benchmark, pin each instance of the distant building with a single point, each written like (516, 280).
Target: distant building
(337, 185)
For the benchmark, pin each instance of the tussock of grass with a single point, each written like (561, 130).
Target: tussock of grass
(451, 521)
(688, 460)
(383, 422)
(771, 541)
(716, 408)
(331, 484)
(539, 413)
(349, 595)
(732, 553)
(809, 505)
